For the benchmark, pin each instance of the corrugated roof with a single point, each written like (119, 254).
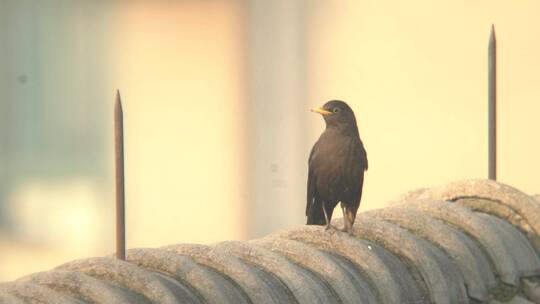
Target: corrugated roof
(473, 241)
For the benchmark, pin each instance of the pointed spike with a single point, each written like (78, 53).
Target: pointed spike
(492, 106)
(119, 176)
(118, 101)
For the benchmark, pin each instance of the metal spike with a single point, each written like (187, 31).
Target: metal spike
(120, 194)
(492, 105)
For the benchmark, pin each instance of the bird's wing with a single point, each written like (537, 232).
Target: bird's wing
(310, 183)
(364, 158)
(314, 207)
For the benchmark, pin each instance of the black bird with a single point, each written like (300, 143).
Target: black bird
(336, 167)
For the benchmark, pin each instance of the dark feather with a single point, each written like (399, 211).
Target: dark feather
(336, 166)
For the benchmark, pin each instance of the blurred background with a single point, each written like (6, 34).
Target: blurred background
(217, 125)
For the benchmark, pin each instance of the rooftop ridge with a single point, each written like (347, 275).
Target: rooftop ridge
(471, 241)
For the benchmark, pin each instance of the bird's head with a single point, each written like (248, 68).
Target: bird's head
(337, 113)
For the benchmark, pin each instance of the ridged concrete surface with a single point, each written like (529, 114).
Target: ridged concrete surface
(473, 241)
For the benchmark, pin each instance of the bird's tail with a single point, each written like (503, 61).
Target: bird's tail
(315, 214)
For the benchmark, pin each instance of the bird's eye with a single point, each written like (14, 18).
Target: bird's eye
(336, 110)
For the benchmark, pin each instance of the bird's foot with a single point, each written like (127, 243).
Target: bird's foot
(330, 227)
(347, 230)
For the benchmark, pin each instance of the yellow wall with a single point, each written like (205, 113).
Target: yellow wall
(179, 66)
(416, 74)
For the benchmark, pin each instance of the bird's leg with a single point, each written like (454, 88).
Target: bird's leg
(350, 215)
(346, 221)
(344, 218)
(328, 225)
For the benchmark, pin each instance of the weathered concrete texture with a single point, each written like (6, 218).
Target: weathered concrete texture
(80, 285)
(465, 252)
(305, 285)
(531, 288)
(520, 206)
(525, 257)
(504, 212)
(35, 294)
(213, 286)
(497, 209)
(391, 278)
(442, 277)
(343, 276)
(482, 230)
(156, 288)
(260, 285)
(6, 298)
(515, 300)
(469, 242)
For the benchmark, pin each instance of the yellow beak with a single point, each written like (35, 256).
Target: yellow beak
(321, 111)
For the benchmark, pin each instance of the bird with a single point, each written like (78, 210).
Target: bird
(336, 167)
